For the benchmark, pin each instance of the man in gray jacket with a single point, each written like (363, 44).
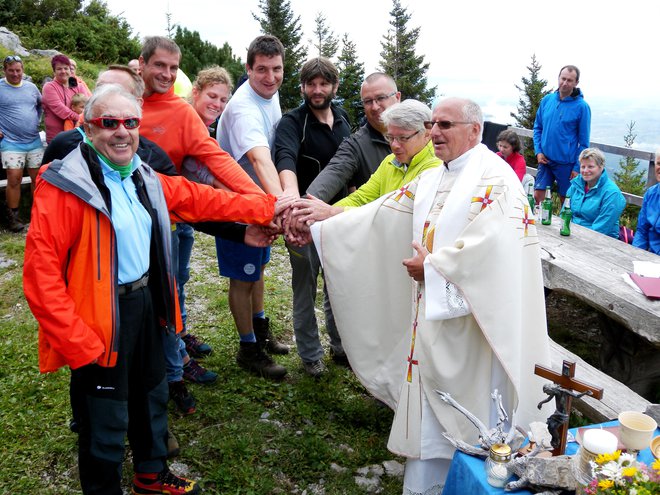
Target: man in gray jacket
(359, 156)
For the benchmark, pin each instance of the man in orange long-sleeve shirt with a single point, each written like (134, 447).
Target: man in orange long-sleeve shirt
(175, 126)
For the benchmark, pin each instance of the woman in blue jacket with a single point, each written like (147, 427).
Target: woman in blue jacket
(648, 223)
(596, 201)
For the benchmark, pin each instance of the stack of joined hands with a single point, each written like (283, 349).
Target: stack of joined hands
(293, 217)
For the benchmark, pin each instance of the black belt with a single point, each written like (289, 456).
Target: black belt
(138, 284)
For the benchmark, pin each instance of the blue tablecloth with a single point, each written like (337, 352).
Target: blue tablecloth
(467, 475)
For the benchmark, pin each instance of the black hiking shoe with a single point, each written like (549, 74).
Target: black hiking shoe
(252, 358)
(183, 399)
(265, 337)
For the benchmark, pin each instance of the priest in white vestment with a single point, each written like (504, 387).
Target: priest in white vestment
(473, 318)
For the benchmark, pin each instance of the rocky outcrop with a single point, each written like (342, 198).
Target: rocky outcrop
(11, 41)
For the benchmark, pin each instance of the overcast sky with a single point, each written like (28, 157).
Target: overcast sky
(478, 49)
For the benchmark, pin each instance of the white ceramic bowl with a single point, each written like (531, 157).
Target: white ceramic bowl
(636, 429)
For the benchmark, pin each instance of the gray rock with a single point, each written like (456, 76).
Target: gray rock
(12, 42)
(337, 468)
(45, 53)
(6, 263)
(653, 410)
(371, 485)
(373, 471)
(393, 468)
(314, 489)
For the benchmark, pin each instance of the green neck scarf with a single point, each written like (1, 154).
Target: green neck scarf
(124, 170)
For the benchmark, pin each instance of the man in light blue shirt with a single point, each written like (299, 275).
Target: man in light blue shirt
(20, 143)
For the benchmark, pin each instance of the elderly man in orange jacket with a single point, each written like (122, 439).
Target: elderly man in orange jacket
(99, 248)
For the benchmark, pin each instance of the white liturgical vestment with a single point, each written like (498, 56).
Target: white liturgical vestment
(476, 323)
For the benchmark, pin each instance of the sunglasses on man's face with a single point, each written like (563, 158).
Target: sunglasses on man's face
(443, 124)
(114, 123)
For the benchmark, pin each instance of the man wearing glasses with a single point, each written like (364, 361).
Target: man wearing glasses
(99, 246)
(20, 143)
(359, 156)
(468, 317)
(412, 154)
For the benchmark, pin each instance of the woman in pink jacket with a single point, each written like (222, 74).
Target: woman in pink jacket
(56, 97)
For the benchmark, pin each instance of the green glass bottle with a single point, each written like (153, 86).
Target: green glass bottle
(530, 196)
(546, 207)
(566, 216)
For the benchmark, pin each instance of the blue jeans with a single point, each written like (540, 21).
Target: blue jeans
(173, 347)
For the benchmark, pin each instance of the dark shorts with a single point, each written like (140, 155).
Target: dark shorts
(547, 174)
(239, 261)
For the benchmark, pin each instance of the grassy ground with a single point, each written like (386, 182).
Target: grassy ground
(248, 436)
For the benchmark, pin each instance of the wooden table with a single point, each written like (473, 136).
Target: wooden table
(589, 266)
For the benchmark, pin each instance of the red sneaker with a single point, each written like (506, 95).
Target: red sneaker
(165, 482)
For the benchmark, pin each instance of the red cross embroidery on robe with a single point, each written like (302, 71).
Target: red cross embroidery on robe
(404, 192)
(410, 359)
(485, 200)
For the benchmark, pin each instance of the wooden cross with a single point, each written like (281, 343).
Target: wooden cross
(567, 381)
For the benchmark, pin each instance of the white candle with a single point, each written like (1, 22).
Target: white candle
(599, 441)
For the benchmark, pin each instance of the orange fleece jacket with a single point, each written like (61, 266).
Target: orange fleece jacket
(173, 124)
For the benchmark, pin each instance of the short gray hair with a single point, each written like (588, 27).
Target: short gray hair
(105, 91)
(595, 154)
(409, 114)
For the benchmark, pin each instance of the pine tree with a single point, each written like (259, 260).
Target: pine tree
(351, 74)
(197, 54)
(398, 58)
(630, 179)
(532, 92)
(278, 20)
(325, 42)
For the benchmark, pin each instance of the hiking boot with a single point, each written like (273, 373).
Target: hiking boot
(315, 369)
(252, 358)
(265, 337)
(196, 373)
(183, 399)
(14, 224)
(339, 358)
(172, 445)
(195, 347)
(164, 482)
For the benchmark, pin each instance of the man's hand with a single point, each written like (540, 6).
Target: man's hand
(542, 159)
(258, 236)
(310, 209)
(574, 174)
(415, 265)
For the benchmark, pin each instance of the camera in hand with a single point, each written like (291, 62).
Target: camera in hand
(73, 82)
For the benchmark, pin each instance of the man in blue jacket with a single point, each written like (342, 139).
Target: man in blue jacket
(561, 131)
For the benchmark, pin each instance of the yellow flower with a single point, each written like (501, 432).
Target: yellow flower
(629, 471)
(605, 458)
(605, 484)
(656, 465)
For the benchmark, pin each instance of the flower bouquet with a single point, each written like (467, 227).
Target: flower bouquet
(621, 474)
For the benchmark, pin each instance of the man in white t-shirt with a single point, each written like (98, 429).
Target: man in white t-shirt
(246, 131)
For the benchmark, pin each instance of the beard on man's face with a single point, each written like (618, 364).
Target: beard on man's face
(319, 106)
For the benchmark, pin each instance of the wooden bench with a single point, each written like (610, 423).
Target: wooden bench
(616, 397)
(590, 266)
